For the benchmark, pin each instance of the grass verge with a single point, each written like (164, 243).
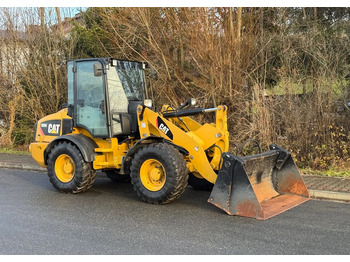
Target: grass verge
(330, 172)
(14, 151)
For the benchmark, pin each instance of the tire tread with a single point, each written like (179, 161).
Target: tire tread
(83, 179)
(175, 159)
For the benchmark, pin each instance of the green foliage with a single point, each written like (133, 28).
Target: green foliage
(89, 36)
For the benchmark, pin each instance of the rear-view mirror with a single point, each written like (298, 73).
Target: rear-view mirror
(97, 69)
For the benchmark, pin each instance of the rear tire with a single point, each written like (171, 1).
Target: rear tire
(67, 170)
(159, 173)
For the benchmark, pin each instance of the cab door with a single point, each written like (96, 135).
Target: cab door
(87, 91)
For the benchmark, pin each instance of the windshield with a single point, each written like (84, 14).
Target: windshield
(131, 76)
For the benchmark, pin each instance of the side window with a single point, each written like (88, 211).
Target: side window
(90, 102)
(118, 102)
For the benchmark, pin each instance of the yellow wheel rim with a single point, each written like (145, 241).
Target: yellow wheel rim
(64, 168)
(153, 175)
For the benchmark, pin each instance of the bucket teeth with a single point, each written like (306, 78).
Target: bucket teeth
(259, 186)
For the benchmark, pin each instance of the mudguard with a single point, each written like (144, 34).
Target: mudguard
(85, 145)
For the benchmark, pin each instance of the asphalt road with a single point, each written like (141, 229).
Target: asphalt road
(110, 219)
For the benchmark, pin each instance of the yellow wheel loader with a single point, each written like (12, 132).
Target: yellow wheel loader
(108, 125)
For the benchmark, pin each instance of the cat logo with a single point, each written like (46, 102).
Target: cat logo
(53, 128)
(164, 128)
(50, 128)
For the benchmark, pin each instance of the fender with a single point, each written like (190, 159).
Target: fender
(148, 140)
(85, 145)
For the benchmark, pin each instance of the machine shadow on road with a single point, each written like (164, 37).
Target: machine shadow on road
(191, 199)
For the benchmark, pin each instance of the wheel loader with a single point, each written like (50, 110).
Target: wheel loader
(109, 125)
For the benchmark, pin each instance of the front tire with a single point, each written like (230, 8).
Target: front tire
(67, 170)
(159, 173)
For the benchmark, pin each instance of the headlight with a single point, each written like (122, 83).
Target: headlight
(193, 102)
(147, 102)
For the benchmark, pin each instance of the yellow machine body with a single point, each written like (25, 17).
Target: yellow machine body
(110, 153)
(106, 130)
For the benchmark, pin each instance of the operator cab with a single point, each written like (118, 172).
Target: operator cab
(103, 95)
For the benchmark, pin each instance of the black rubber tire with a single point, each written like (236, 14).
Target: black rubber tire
(199, 183)
(116, 177)
(84, 174)
(175, 168)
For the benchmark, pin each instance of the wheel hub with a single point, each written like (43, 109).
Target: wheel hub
(153, 175)
(64, 168)
(68, 167)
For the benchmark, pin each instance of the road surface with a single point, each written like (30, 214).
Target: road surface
(110, 219)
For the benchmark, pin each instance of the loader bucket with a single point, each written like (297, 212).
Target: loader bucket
(259, 186)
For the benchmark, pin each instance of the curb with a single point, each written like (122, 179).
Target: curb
(21, 166)
(330, 195)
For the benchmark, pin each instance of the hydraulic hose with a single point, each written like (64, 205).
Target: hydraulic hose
(188, 112)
